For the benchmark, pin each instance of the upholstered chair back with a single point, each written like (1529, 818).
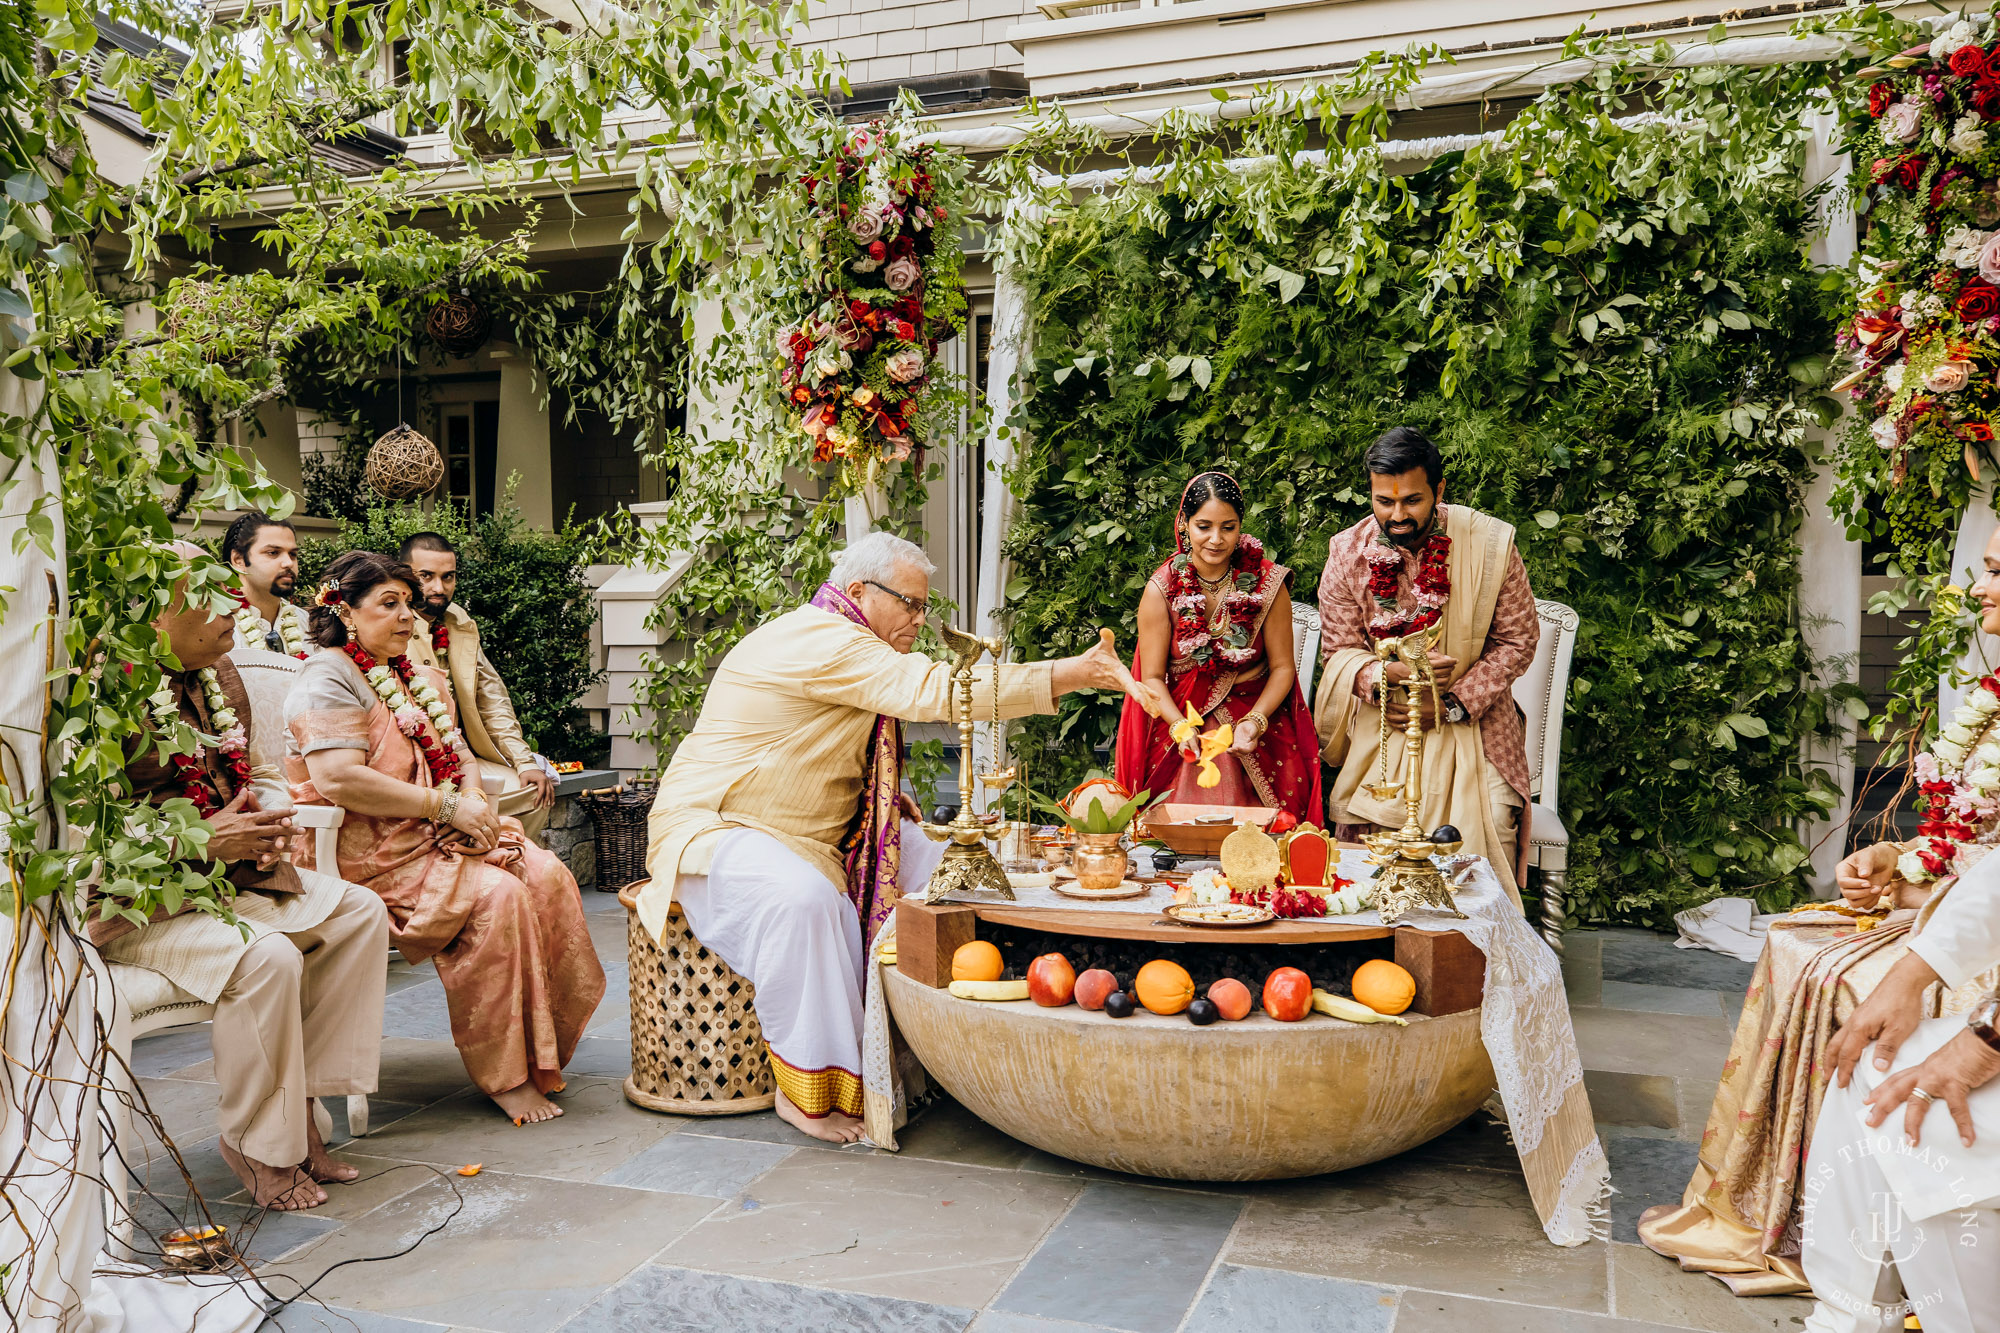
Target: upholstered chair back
(1541, 692)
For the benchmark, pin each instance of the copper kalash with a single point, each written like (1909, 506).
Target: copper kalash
(1408, 878)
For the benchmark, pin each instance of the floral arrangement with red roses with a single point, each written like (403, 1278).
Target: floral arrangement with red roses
(854, 368)
(1432, 585)
(1925, 332)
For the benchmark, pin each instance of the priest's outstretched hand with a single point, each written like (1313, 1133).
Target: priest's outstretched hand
(1100, 668)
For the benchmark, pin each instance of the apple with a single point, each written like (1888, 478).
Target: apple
(1093, 986)
(1051, 981)
(1288, 995)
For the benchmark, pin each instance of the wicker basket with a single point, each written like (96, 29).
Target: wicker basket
(619, 816)
(696, 1046)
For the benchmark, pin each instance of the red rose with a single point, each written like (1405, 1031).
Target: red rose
(801, 395)
(906, 330)
(877, 251)
(1979, 432)
(1909, 173)
(1979, 300)
(1969, 62)
(1986, 97)
(1880, 97)
(858, 308)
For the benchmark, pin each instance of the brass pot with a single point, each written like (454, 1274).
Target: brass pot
(1101, 862)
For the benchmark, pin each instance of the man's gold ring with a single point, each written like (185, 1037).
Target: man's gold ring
(1925, 1096)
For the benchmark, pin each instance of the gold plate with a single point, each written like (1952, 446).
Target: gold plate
(1129, 889)
(1249, 859)
(1174, 911)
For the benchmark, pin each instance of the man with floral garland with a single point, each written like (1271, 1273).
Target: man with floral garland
(264, 552)
(1416, 562)
(297, 980)
(448, 639)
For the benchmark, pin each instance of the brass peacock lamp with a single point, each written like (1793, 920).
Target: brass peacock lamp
(1408, 878)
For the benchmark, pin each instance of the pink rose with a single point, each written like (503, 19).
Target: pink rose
(1989, 259)
(1948, 376)
(905, 365)
(899, 447)
(1900, 122)
(865, 225)
(903, 274)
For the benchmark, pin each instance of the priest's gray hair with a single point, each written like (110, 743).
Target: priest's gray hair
(878, 556)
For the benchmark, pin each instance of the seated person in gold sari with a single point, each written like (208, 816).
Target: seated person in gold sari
(379, 737)
(1739, 1218)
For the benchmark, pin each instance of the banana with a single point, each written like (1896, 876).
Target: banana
(990, 990)
(1339, 1006)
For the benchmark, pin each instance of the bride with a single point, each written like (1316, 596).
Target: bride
(1215, 640)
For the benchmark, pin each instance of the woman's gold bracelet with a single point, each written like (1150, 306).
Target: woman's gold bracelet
(447, 807)
(1263, 723)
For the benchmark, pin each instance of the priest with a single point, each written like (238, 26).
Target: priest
(1414, 563)
(781, 827)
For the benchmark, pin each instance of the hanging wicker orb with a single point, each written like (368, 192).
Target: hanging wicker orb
(459, 325)
(404, 464)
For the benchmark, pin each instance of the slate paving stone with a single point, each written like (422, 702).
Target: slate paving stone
(1429, 1312)
(689, 1164)
(1646, 1172)
(1660, 999)
(1626, 1041)
(257, 1234)
(947, 1132)
(1126, 1256)
(309, 1318)
(764, 1127)
(1649, 1100)
(1650, 958)
(1478, 1140)
(1649, 1286)
(601, 1057)
(598, 1131)
(418, 1012)
(1271, 1301)
(1583, 966)
(402, 975)
(380, 1113)
(670, 1300)
(999, 1321)
(162, 1053)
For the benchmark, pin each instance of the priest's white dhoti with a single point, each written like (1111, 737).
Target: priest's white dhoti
(764, 910)
(1893, 1230)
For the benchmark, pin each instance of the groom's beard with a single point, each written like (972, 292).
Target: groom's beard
(1412, 537)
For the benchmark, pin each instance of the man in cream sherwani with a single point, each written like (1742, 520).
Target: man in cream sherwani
(1902, 1183)
(784, 798)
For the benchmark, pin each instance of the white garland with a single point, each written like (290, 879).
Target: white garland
(389, 688)
(1977, 771)
(230, 737)
(291, 628)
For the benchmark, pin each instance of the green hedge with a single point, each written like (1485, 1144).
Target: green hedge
(1637, 406)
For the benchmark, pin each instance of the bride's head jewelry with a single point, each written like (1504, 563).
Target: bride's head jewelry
(329, 594)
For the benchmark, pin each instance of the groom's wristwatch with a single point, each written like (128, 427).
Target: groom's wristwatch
(1454, 711)
(1985, 1022)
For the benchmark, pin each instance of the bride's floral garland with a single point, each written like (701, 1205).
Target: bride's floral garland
(438, 743)
(291, 626)
(1432, 585)
(1960, 785)
(1193, 636)
(232, 742)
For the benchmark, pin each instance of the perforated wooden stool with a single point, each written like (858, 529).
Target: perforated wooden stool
(696, 1045)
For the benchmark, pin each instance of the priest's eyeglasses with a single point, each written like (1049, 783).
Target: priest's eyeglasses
(916, 606)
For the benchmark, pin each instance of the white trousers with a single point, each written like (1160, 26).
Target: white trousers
(774, 919)
(1892, 1230)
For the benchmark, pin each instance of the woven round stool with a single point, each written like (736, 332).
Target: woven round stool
(696, 1045)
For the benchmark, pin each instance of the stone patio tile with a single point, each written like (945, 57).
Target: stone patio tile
(1660, 999)
(946, 1132)
(162, 1053)
(402, 975)
(1127, 1257)
(418, 1012)
(1649, 957)
(1271, 1301)
(380, 1113)
(613, 1017)
(205, 1167)
(1628, 1042)
(598, 1130)
(1583, 965)
(692, 1164)
(1429, 1312)
(308, 1317)
(184, 1107)
(521, 1255)
(1402, 1223)
(764, 1127)
(413, 1073)
(259, 1235)
(1633, 1099)
(1646, 1285)
(379, 1182)
(1646, 1172)
(602, 1057)
(1478, 1140)
(918, 1230)
(669, 1300)
(999, 1321)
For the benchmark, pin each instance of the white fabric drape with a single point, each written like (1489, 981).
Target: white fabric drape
(1968, 557)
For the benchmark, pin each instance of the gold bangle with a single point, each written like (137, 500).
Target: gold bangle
(1263, 722)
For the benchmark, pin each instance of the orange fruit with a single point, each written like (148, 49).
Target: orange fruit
(1383, 986)
(1164, 987)
(977, 961)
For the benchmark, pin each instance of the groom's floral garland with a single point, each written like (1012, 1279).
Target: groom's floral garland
(1432, 585)
(855, 368)
(232, 743)
(1960, 785)
(1193, 637)
(438, 743)
(291, 626)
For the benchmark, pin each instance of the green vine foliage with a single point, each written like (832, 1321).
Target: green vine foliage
(1612, 328)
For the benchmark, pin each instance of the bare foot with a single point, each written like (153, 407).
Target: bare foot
(322, 1165)
(833, 1127)
(282, 1189)
(525, 1106)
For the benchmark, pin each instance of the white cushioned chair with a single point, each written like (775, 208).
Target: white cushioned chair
(1541, 692)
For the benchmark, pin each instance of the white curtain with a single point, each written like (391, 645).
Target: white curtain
(1968, 563)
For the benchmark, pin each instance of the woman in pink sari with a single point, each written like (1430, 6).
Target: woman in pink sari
(378, 736)
(1215, 635)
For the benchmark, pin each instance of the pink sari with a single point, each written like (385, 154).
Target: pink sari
(521, 977)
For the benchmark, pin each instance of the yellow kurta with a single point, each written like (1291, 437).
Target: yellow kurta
(782, 741)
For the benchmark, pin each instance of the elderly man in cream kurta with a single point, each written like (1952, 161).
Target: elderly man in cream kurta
(760, 814)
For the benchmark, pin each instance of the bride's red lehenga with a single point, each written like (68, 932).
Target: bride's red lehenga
(1219, 666)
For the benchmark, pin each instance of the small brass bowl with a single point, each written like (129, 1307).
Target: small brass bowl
(202, 1249)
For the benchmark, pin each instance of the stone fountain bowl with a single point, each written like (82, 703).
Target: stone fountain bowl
(1153, 1096)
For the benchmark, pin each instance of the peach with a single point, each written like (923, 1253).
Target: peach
(1051, 981)
(1093, 986)
(1232, 997)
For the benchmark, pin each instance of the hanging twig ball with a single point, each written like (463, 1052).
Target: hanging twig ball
(404, 464)
(459, 325)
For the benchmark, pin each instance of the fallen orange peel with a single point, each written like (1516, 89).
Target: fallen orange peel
(473, 1168)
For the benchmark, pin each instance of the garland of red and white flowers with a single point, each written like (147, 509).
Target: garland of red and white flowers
(1195, 634)
(231, 741)
(1432, 585)
(1960, 786)
(291, 627)
(441, 647)
(396, 685)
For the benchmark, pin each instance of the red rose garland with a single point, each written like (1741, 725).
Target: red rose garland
(1432, 586)
(443, 763)
(1193, 637)
(441, 646)
(199, 786)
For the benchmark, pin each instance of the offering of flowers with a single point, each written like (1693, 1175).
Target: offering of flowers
(854, 367)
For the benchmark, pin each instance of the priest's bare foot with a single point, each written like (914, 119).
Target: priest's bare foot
(282, 1189)
(832, 1127)
(525, 1106)
(322, 1165)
